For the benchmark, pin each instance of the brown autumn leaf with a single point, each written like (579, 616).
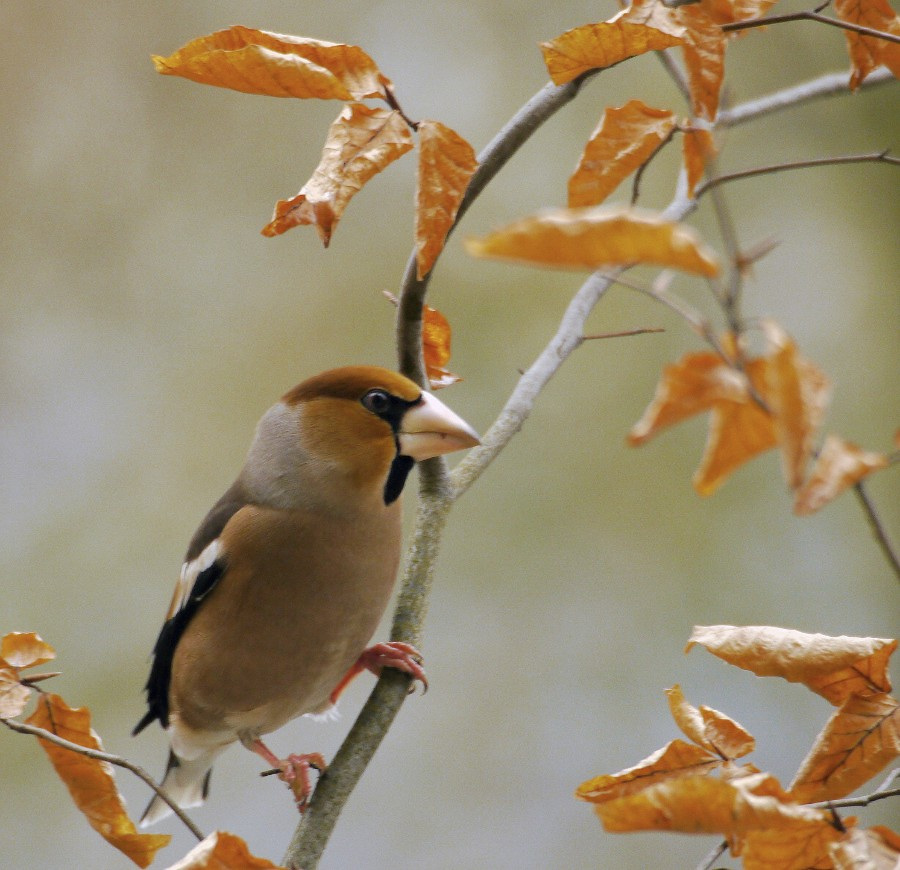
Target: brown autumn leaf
(690, 386)
(697, 147)
(19, 650)
(590, 238)
(833, 667)
(738, 431)
(436, 348)
(839, 465)
(624, 140)
(222, 851)
(361, 142)
(636, 30)
(277, 65)
(797, 393)
(857, 742)
(801, 847)
(709, 728)
(704, 59)
(868, 52)
(91, 782)
(875, 848)
(729, 11)
(675, 760)
(446, 164)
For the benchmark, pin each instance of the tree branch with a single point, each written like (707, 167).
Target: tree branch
(878, 529)
(811, 16)
(109, 758)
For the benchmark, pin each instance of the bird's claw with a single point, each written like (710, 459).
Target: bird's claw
(393, 654)
(294, 770)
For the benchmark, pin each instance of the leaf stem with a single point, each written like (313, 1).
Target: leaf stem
(109, 758)
(877, 526)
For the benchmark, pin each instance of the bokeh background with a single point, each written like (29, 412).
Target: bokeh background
(145, 325)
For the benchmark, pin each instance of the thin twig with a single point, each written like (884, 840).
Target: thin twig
(625, 333)
(712, 856)
(877, 527)
(636, 184)
(875, 157)
(811, 16)
(98, 755)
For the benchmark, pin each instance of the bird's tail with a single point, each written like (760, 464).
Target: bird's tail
(186, 783)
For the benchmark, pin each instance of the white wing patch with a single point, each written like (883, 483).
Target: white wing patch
(190, 571)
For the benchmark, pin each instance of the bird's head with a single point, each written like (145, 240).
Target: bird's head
(359, 426)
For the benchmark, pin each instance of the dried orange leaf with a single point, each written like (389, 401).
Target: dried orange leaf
(690, 386)
(709, 728)
(875, 848)
(25, 649)
(868, 52)
(839, 465)
(705, 805)
(13, 695)
(624, 140)
(91, 782)
(797, 393)
(801, 847)
(704, 59)
(729, 11)
(675, 759)
(276, 65)
(436, 348)
(595, 46)
(360, 144)
(697, 148)
(833, 667)
(858, 741)
(590, 238)
(446, 163)
(738, 431)
(222, 851)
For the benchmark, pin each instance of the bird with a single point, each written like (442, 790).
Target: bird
(285, 580)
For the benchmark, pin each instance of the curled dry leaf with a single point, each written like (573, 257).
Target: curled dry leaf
(675, 760)
(277, 65)
(839, 465)
(19, 650)
(222, 851)
(704, 58)
(798, 393)
(636, 30)
(697, 147)
(858, 741)
(875, 848)
(729, 11)
(869, 52)
(446, 164)
(623, 141)
(91, 782)
(709, 728)
(361, 142)
(833, 667)
(799, 847)
(436, 348)
(591, 238)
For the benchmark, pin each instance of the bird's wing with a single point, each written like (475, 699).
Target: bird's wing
(203, 568)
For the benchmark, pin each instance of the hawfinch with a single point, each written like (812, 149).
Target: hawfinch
(286, 579)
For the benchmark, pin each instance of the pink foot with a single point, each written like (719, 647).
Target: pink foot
(402, 656)
(293, 770)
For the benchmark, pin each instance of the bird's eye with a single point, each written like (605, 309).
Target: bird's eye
(377, 401)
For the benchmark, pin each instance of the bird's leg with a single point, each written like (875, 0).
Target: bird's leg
(394, 654)
(294, 770)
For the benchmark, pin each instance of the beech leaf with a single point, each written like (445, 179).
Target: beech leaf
(709, 728)
(276, 65)
(798, 847)
(729, 11)
(697, 148)
(623, 141)
(361, 142)
(875, 848)
(446, 164)
(591, 238)
(436, 348)
(91, 782)
(868, 52)
(222, 851)
(857, 742)
(839, 465)
(833, 667)
(19, 650)
(704, 59)
(676, 759)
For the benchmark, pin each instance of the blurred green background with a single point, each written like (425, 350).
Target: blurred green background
(146, 325)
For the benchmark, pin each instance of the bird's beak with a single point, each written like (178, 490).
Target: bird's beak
(429, 428)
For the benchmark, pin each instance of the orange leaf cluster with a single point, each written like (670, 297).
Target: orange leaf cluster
(868, 52)
(776, 400)
(222, 851)
(697, 788)
(20, 650)
(592, 238)
(91, 782)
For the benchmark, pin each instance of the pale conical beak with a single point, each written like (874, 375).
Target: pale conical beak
(430, 428)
